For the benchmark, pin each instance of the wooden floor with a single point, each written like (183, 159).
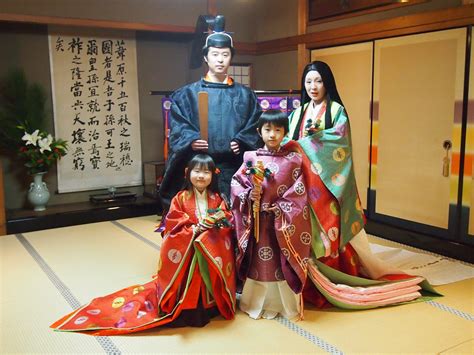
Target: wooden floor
(45, 274)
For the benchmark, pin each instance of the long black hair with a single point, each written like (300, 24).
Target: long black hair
(205, 161)
(331, 92)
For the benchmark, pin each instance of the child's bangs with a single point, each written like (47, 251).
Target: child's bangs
(202, 161)
(202, 166)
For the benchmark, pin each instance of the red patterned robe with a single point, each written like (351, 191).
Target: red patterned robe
(284, 242)
(195, 271)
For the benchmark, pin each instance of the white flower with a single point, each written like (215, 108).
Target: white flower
(31, 138)
(45, 143)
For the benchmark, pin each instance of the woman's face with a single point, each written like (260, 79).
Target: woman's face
(314, 86)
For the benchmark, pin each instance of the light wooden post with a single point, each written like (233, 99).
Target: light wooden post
(211, 7)
(203, 109)
(3, 220)
(303, 53)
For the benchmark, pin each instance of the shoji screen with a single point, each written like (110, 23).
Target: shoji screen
(418, 86)
(468, 192)
(352, 68)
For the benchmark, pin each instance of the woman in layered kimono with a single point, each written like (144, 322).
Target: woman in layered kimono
(341, 253)
(271, 224)
(195, 279)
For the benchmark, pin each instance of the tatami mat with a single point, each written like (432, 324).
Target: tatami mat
(45, 274)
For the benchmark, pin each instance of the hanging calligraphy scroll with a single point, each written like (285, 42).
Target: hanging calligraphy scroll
(95, 99)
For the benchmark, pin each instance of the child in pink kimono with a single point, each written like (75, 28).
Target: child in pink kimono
(272, 224)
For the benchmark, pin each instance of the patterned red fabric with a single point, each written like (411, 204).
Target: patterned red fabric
(325, 208)
(160, 301)
(283, 248)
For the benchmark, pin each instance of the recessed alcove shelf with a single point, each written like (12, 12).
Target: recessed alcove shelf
(55, 216)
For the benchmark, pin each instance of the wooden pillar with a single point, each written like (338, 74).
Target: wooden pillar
(211, 7)
(303, 53)
(3, 220)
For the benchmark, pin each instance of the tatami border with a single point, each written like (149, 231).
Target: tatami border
(308, 336)
(283, 321)
(452, 310)
(136, 235)
(105, 342)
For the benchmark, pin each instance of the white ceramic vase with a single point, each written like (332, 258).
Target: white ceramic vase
(38, 194)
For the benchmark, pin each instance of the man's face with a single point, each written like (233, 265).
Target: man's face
(218, 60)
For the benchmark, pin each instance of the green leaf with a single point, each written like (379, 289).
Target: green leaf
(22, 107)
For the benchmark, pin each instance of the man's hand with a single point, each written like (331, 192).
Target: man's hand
(199, 144)
(234, 146)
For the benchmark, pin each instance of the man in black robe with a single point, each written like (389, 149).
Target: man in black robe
(232, 120)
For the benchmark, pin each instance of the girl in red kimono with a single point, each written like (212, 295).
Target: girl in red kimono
(195, 279)
(272, 224)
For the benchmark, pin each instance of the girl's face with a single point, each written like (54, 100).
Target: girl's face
(200, 177)
(272, 135)
(314, 86)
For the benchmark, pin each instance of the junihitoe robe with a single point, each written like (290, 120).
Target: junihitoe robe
(195, 271)
(339, 244)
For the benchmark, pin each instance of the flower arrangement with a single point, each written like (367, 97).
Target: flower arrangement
(22, 118)
(40, 150)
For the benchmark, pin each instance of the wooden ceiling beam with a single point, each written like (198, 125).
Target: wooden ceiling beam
(78, 22)
(410, 24)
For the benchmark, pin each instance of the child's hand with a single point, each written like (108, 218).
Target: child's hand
(200, 227)
(218, 215)
(255, 194)
(206, 223)
(270, 209)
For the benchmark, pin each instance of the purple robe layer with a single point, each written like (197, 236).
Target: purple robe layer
(285, 104)
(284, 236)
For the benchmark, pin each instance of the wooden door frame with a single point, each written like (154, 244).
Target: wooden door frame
(3, 220)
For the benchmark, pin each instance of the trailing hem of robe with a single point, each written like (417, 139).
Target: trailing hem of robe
(337, 216)
(191, 268)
